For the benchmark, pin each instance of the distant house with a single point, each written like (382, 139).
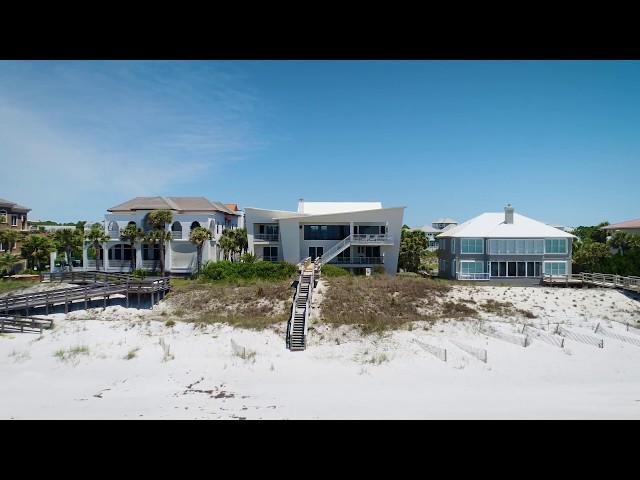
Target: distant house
(629, 226)
(13, 217)
(180, 254)
(354, 235)
(504, 245)
(436, 228)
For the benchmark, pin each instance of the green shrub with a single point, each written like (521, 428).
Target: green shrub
(329, 270)
(230, 271)
(379, 270)
(248, 258)
(139, 273)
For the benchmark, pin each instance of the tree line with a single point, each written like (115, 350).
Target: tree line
(597, 250)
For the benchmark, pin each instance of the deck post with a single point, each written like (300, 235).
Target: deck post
(104, 298)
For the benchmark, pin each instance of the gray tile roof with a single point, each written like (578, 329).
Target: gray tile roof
(180, 204)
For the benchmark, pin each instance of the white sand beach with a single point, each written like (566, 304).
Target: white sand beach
(124, 363)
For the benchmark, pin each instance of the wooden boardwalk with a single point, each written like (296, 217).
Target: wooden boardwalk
(605, 280)
(92, 286)
(15, 323)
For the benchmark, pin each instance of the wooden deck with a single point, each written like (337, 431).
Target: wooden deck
(605, 280)
(92, 286)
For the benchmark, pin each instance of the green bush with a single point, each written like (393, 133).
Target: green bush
(379, 270)
(139, 273)
(329, 270)
(230, 271)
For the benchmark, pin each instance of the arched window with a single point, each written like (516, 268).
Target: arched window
(195, 225)
(176, 230)
(113, 227)
(3, 216)
(132, 223)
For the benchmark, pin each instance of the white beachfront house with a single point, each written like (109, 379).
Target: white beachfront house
(354, 235)
(437, 227)
(180, 253)
(504, 246)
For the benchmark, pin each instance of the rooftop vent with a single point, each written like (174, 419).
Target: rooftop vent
(508, 214)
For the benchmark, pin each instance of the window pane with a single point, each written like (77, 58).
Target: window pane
(522, 269)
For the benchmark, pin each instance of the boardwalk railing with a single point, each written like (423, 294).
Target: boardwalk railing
(598, 279)
(96, 285)
(18, 322)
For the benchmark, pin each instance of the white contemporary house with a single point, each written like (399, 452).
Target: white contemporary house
(504, 245)
(180, 253)
(437, 227)
(354, 235)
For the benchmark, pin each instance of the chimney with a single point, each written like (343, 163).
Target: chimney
(301, 205)
(508, 213)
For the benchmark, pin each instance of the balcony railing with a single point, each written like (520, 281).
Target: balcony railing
(176, 235)
(269, 259)
(113, 233)
(372, 238)
(267, 237)
(357, 260)
(473, 276)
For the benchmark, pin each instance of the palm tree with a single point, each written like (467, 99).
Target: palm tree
(10, 237)
(36, 249)
(621, 241)
(157, 237)
(199, 237)
(132, 234)
(159, 219)
(68, 240)
(97, 236)
(242, 241)
(7, 261)
(228, 244)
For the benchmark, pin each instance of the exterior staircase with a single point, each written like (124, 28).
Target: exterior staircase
(301, 308)
(356, 239)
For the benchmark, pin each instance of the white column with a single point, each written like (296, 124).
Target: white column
(138, 255)
(350, 228)
(85, 255)
(167, 257)
(52, 261)
(105, 254)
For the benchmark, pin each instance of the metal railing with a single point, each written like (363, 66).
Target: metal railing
(473, 276)
(357, 260)
(176, 234)
(269, 259)
(266, 237)
(372, 238)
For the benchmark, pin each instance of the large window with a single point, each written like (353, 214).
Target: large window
(472, 245)
(555, 245)
(270, 254)
(555, 268)
(326, 232)
(369, 229)
(150, 252)
(516, 246)
(471, 267)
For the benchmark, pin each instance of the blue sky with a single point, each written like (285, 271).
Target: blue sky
(560, 140)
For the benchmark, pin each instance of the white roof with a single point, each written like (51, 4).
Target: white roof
(321, 208)
(491, 225)
(445, 220)
(428, 229)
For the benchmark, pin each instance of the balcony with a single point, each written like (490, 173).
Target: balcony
(372, 239)
(266, 237)
(472, 276)
(357, 261)
(176, 234)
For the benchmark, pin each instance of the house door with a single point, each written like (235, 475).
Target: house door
(315, 252)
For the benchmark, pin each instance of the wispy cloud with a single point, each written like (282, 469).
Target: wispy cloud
(73, 131)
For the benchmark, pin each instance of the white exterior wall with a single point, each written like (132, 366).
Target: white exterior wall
(180, 253)
(292, 247)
